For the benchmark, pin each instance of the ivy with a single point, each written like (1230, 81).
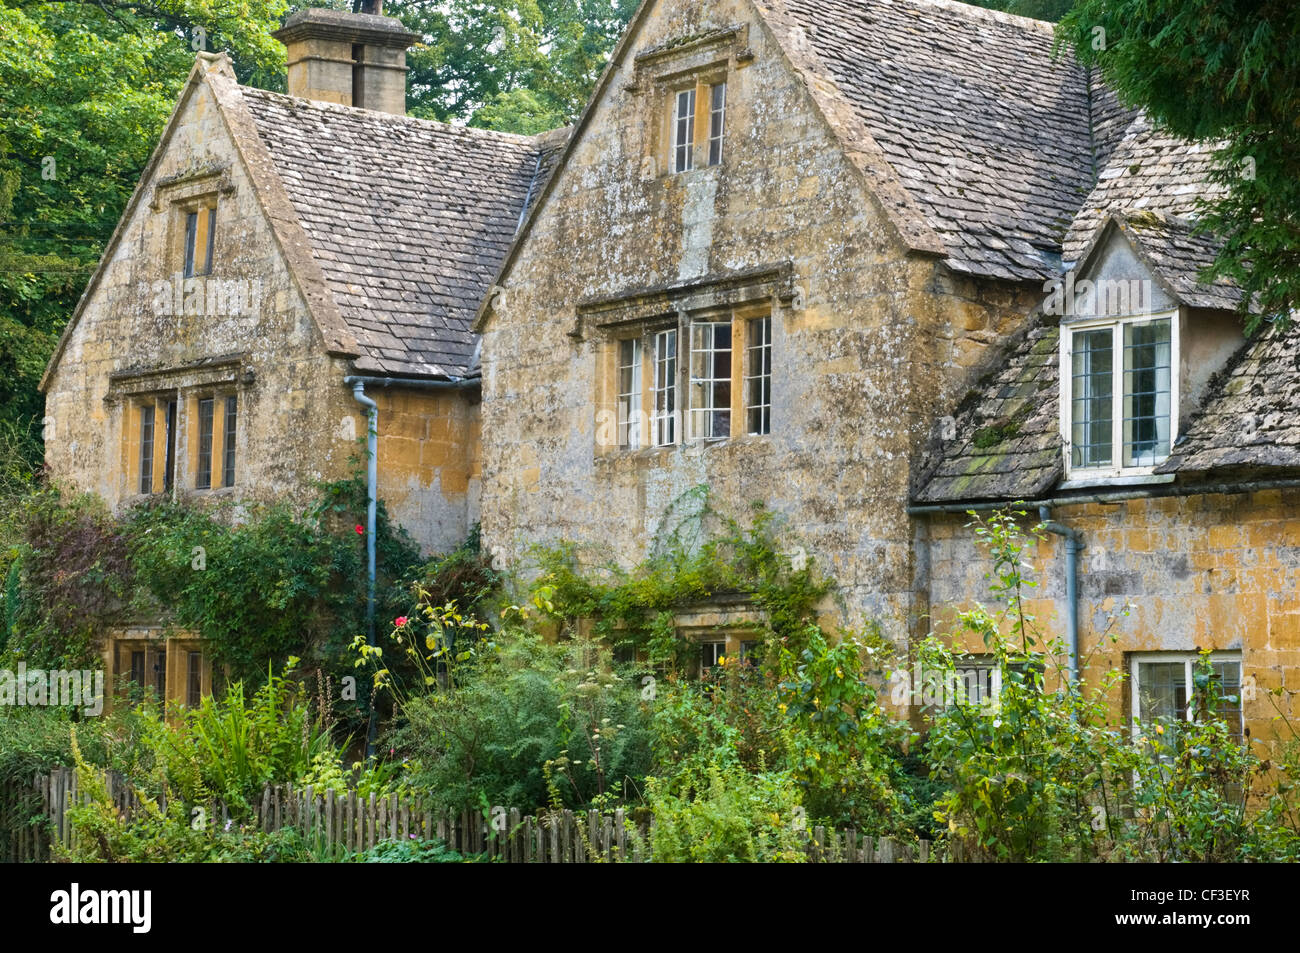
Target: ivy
(700, 554)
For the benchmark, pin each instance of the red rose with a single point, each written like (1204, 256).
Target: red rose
(360, 529)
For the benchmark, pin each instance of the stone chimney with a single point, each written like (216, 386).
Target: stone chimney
(355, 59)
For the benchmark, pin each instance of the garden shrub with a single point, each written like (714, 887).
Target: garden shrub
(737, 816)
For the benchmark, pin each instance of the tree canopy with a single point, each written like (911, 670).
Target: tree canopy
(1224, 71)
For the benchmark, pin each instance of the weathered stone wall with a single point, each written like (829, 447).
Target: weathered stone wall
(297, 424)
(1214, 572)
(871, 344)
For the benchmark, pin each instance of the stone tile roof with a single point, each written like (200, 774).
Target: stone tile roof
(1250, 419)
(1003, 443)
(989, 132)
(1175, 252)
(1149, 171)
(408, 219)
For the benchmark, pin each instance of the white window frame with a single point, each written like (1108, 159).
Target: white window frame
(629, 400)
(1189, 660)
(665, 419)
(1116, 468)
(759, 354)
(715, 647)
(683, 156)
(702, 412)
(717, 122)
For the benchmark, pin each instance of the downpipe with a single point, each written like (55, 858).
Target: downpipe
(372, 496)
(1073, 547)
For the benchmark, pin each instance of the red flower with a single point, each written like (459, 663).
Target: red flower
(401, 621)
(360, 529)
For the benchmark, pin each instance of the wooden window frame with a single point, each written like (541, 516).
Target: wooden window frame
(198, 218)
(660, 427)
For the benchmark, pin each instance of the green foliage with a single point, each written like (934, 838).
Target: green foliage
(844, 746)
(736, 817)
(411, 852)
(256, 582)
(522, 722)
(1222, 71)
(700, 553)
(72, 572)
(268, 587)
(227, 750)
(514, 65)
(1038, 9)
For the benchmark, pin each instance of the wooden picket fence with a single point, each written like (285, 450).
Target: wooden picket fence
(353, 824)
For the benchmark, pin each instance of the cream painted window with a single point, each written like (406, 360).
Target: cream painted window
(684, 131)
(1120, 394)
(711, 655)
(214, 440)
(706, 379)
(1164, 688)
(717, 121)
(629, 394)
(758, 376)
(710, 389)
(200, 238)
(664, 423)
(155, 420)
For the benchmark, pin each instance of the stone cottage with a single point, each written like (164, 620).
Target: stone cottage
(286, 265)
(876, 263)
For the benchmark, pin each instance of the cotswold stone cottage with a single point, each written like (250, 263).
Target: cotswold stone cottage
(875, 263)
(284, 262)
(871, 262)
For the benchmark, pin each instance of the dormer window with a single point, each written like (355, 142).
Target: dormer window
(1120, 407)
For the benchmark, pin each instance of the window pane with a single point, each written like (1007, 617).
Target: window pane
(1228, 676)
(203, 480)
(710, 380)
(191, 234)
(710, 654)
(717, 122)
(629, 394)
(228, 446)
(146, 448)
(758, 377)
(170, 462)
(1146, 393)
(1092, 398)
(160, 674)
(194, 680)
(211, 232)
(684, 132)
(1162, 691)
(664, 425)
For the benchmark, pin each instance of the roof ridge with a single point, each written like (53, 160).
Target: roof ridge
(980, 13)
(359, 111)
